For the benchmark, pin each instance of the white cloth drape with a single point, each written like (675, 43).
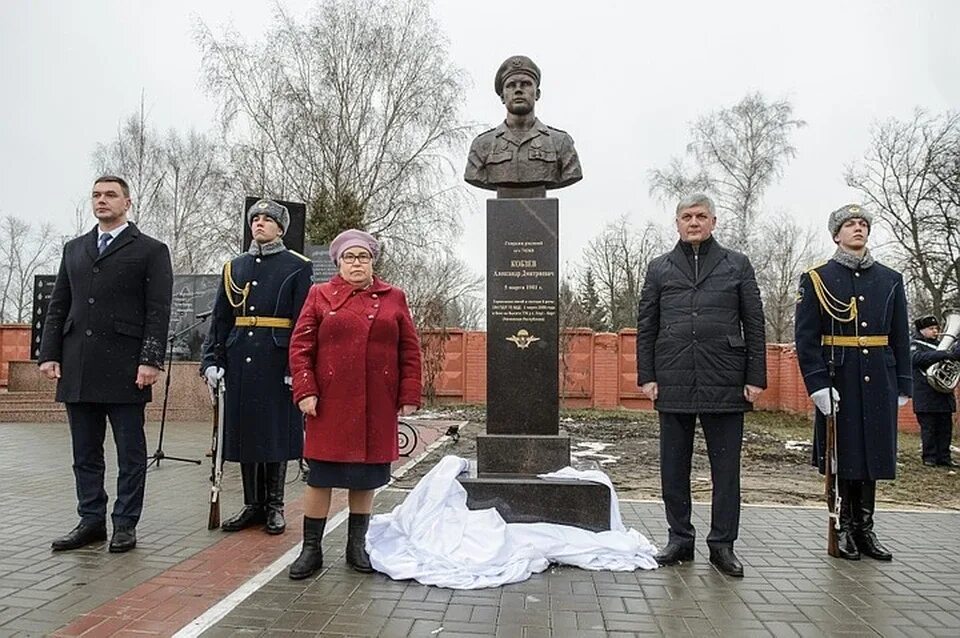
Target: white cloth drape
(434, 539)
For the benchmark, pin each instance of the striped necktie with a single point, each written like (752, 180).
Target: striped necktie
(104, 241)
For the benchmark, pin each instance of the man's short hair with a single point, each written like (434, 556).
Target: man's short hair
(118, 180)
(697, 199)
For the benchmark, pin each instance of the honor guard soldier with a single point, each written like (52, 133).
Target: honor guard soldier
(253, 316)
(934, 408)
(853, 344)
(522, 152)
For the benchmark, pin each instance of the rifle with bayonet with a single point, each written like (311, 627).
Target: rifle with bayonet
(216, 472)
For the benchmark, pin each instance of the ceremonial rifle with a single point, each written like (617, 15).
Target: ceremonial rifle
(216, 472)
(830, 480)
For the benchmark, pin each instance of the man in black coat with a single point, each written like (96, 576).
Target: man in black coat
(934, 408)
(853, 346)
(103, 341)
(262, 293)
(701, 353)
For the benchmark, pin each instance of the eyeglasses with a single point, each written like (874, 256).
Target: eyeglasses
(351, 258)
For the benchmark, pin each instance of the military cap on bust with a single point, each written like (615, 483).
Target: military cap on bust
(515, 64)
(271, 209)
(927, 321)
(840, 216)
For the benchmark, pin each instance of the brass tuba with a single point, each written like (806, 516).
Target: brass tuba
(943, 376)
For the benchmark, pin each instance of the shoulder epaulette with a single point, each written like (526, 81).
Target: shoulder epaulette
(816, 265)
(303, 257)
(558, 130)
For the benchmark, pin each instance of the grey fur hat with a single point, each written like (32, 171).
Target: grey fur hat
(271, 209)
(839, 217)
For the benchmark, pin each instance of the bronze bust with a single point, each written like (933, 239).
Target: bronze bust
(523, 156)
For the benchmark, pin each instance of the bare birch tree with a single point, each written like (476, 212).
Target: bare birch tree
(910, 175)
(737, 153)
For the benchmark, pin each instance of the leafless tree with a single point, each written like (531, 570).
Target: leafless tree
(180, 189)
(910, 175)
(617, 259)
(441, 290)
(737, 153)
(784, 251)
(136, 155)
(358, 103)
(25, 251)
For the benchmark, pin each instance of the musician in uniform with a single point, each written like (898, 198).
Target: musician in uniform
(522, 151)
(853, 345)
(934, 408)
(253, 316)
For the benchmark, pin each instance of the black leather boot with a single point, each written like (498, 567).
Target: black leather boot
(252, 512)
(310, 560)
(357, 556)
(849, 504)
(276, 474)
(866, 539)
(726, 561)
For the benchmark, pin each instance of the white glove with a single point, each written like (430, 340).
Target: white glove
(288, 381)
(213, 375)
(902, 401)
(821, 399)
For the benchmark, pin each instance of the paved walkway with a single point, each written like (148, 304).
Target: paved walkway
(181, 574)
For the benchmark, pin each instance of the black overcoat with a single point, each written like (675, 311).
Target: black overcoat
(869, 379)
(700, 336)
(108, 314)
(262, 423)
(923, 354)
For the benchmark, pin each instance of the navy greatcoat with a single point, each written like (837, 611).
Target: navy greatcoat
(869, 379)
(924, 354)
(262, 424)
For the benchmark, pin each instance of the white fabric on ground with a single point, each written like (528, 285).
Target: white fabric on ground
(434, 539)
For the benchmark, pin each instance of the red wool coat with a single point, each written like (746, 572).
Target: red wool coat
(358, 352)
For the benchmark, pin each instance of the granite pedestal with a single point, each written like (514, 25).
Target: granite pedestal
(523, 435)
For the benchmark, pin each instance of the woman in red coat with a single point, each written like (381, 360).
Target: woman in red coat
(355, 362)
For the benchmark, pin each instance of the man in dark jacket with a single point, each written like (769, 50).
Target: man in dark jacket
(262, 293)
(934, 409)
(701, 352)
(853, 346)
(103, 341)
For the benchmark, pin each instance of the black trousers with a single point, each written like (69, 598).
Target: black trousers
(88, 426)
(936, 430)
(724, 437)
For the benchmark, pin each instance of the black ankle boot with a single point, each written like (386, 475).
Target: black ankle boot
(276, 474)
(866, 539)
(252, 512)
(310, 560)
(357, 556)
(849, 503)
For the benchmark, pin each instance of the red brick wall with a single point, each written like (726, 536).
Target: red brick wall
(599, 370)
(14, 346)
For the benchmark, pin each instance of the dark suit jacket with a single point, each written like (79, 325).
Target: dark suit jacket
(108, 314)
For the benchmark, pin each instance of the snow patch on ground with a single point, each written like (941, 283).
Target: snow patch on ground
(593, 451)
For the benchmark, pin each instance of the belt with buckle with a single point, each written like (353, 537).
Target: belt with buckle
(872, 341)
(264, 322)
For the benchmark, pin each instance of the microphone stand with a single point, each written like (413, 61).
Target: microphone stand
(159, 455)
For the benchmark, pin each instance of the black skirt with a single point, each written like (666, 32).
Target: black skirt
(352, 476)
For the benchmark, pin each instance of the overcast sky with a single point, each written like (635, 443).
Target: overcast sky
(625, 79)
